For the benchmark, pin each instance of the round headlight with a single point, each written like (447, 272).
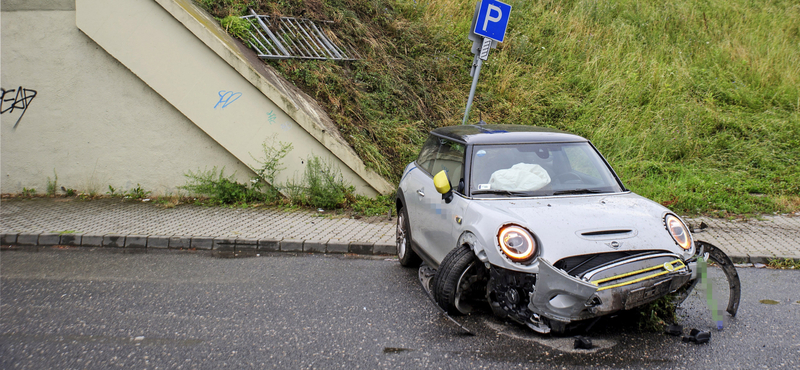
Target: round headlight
(516, 243)
(678, 231)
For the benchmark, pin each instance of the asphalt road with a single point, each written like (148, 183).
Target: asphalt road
(99, 309)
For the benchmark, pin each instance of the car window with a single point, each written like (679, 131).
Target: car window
(428, 153)
(450, 158)
(580, 160)
(540, 170)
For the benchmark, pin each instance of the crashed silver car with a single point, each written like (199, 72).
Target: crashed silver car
(535, 222)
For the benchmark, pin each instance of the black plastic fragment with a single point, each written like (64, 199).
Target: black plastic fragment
(582, 342)
(697, 336)
(674, 330)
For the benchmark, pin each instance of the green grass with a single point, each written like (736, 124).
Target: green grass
(784, 263)
(695, 104)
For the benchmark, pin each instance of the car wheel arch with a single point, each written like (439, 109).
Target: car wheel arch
(399, 201)
(471, 241)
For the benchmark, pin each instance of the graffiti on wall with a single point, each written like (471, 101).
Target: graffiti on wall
(271, 117)
(18, 99)
(226, 98)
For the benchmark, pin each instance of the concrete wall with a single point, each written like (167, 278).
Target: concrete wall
(154, 90)
(91, 120)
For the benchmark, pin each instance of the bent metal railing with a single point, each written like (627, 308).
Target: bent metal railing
(289, 37)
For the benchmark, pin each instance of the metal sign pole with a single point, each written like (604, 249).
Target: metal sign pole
(483, 55)
(472, 90)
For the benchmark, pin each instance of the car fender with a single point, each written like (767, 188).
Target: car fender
(480, 228)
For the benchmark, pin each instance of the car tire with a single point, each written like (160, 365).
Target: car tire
(458, 282)
(405, 254)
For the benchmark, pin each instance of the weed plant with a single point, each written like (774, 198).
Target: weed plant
(269, 167)
(52, 185)
(112, 191)
(380, 205)
(137, 193)
(225, 190)
(237, 27)
(655, 315)
(221, 190)
(784, 263)
(322, 186)
(695, 104)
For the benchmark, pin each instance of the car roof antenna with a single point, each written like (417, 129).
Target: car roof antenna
(480, 117)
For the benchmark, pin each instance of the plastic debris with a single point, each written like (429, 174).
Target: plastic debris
(582, 342)
(674, 330)
(697, 336)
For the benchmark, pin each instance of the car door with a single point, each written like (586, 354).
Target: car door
(440, 218)
(417, 184)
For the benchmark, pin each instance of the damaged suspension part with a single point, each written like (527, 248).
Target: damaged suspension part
(509, 292)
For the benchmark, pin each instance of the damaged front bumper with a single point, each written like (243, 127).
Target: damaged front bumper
(625, 285)
(557, 298)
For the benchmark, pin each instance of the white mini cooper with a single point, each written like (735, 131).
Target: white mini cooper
(536, 222)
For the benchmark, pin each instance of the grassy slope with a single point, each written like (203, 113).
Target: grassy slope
(696, 104)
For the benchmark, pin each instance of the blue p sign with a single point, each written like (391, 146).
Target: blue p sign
(492, 20)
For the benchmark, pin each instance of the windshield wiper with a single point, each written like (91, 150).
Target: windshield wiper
(498, 191)
(578, 191)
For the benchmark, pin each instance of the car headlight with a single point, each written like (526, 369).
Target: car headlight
(678, 231)
(516, 243)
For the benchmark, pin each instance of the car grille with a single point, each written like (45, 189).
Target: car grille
(647, 269)
(577, 265)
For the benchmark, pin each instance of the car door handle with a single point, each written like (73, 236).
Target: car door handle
(420, 192)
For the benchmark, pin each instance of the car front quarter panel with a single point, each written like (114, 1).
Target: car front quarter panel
(480, 228)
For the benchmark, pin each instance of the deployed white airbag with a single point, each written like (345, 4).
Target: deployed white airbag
(520, 177)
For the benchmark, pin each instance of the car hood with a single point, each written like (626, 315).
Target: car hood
(575, 225)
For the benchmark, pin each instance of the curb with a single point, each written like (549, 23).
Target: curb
(236, 245)
(222, 244)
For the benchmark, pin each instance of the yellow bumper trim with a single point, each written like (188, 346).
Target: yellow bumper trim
(657, 274)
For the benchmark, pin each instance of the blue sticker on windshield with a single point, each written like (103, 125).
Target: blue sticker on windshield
(481, 153)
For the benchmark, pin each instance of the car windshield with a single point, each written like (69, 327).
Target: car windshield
(543, 169)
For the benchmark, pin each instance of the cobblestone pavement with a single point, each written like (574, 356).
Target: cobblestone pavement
(766, 236)
(103, 222)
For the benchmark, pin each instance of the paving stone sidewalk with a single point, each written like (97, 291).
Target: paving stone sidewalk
(117, 223)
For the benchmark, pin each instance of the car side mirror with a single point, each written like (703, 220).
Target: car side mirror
(442, 185)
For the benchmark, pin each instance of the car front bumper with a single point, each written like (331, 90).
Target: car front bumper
(561, 297)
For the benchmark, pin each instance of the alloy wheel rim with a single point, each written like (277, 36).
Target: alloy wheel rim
(463, 285)
(401, 237)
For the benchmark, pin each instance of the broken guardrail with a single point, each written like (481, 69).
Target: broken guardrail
(290, 37)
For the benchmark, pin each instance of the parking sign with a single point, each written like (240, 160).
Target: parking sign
(492, 20)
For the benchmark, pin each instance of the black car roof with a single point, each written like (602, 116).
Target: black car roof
(505, 134)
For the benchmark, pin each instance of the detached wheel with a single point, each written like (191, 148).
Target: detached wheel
(460, 282)
(407, 257)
